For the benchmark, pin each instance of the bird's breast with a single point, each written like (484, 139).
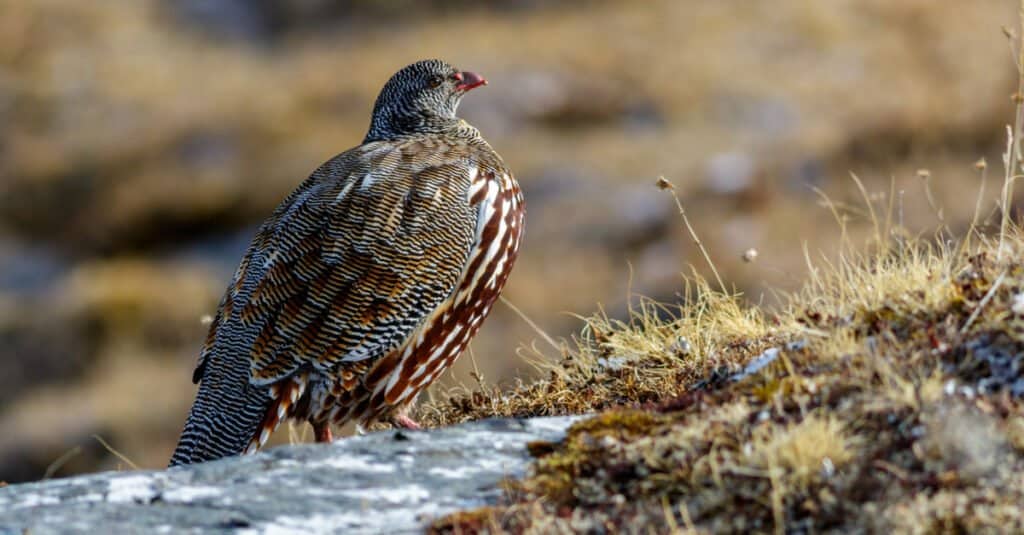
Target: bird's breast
(496, 197)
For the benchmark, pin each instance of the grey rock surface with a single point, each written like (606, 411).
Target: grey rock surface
(385, 482)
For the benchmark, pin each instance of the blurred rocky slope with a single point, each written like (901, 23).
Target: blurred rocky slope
(142, 141)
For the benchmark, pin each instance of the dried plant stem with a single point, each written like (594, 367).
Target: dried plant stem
(984, 301)
(116, 453)
(533, 325)
(61, 461)
(930, 197)
(981, 195)
(982, 168)
(696, 239)
(1008, 158)
(871, 209)
(1011, 159)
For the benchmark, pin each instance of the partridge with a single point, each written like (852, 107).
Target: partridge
(366, 282)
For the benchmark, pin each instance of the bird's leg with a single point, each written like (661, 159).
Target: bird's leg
(405, 422)
(322, 431)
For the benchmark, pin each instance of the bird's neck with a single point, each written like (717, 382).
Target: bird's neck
(413, 125)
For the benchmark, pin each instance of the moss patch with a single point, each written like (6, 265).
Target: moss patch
(899, 410)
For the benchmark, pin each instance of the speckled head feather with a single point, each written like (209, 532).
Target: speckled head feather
(422, 98)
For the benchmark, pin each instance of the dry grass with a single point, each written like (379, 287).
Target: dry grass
(901, 410)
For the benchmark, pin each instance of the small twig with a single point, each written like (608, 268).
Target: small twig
(533, 325)
(116, 453)
(871, 208)
(982, 166)
(892, 469)
(926, 177)
(813, 332)
(61, 461)
(1011, 159)
(984, 301)
(664, 184)
(684, 511)
(670, 517)
(902, 227)
(1004, 205)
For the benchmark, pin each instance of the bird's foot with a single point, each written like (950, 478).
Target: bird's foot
(322, 431)
(406, 422)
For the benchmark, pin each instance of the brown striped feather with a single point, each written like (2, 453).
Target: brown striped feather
(366, 265)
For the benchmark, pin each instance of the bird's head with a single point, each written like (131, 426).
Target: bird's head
(419, 99)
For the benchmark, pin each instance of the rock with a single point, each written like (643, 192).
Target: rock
(386, 482)
(730, 172)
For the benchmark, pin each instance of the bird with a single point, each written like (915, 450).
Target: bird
(366, 282)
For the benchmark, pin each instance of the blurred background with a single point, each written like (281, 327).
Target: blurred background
(142, 142)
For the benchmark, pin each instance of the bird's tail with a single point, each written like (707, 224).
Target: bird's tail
(231, 416)
(224, 418)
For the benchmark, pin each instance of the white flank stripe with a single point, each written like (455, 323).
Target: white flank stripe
(368, 181)
(344, 191)
(457, 329)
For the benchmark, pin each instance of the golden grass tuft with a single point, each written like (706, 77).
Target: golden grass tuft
(804, 451)
(895, 409)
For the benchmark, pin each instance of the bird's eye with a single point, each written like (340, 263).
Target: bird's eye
(435, 81)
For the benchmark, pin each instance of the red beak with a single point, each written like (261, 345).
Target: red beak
(469, 80)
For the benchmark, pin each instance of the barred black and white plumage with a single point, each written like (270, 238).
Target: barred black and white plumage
(367, 281)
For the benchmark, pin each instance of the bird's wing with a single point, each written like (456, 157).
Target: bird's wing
(350, 263)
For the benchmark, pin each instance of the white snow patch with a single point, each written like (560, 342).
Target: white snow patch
(767, 357)
(557, 424)
(1017, 304)
(35, 500)
(498, 463)
(131, 489)
(352, 522)
(317, 523)
(452, 473)
(406, 494)
(361, 464)
(190, 494)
